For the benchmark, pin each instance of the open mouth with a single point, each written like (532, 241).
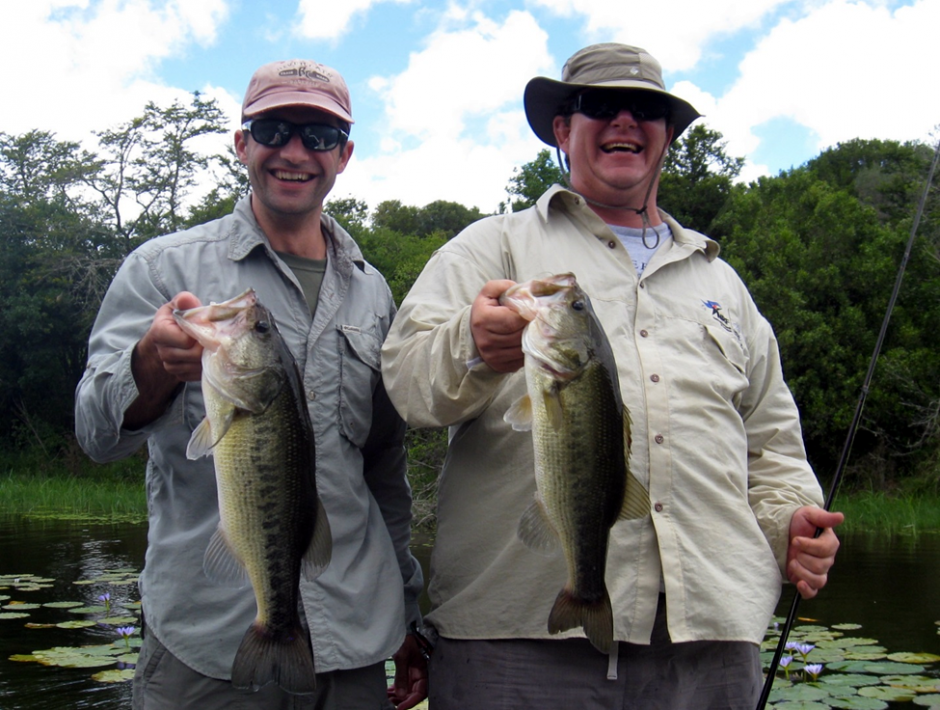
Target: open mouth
(291, 177)
(621, 148)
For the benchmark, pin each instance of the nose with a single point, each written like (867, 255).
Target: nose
(294, 150)
(624, 117)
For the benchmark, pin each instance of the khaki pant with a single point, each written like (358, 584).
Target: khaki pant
(567, 674)
(163, 682)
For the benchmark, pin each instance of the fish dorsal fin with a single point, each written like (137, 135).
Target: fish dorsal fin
(519, 415)
(320, 549)
(205, 437)
(221, 565)
(536, 531)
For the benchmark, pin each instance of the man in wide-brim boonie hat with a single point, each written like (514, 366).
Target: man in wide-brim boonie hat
(601, 66)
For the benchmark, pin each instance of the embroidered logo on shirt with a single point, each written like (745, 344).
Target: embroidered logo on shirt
(720, 317)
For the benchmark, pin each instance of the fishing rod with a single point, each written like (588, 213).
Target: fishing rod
(853, 428)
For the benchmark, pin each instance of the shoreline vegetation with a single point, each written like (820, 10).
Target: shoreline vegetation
(115, 493)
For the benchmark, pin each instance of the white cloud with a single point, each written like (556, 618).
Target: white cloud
(453, 129)
(331, 19)
(846, 70)
(83, 66)
(673, 31)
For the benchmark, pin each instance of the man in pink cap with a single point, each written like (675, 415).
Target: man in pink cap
(142, 385)
(716, 439)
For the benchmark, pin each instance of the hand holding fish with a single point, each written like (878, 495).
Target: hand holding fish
(809, 558)
(497, 330)
(163, 358)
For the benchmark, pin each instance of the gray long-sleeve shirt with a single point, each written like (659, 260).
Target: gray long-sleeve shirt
(357, 610)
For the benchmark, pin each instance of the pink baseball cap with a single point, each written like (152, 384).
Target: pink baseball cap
(297, 82)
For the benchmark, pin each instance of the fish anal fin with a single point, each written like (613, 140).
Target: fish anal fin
(221, 565)
(596, 618)
(536, 531)
(285, 659)
(519, 415)
(320, 550)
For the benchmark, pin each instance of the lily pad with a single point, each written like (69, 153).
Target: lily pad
(63, 605)
(12, 615)
(914, 657)
(928, 701)
(858, 703)
(20, 606)
(851, 680)
(77, 624)
(802, 692)
(114, 676)
(883, 692)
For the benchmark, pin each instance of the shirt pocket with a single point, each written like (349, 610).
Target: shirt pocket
(360, 368)
(731, 357)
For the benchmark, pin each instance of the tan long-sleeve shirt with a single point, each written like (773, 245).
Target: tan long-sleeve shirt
(716, 433)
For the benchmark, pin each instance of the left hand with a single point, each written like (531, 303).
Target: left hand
(809, 558)
(411, 675)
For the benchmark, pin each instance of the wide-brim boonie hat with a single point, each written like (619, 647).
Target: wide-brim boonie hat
(600, 66)
(297, 82)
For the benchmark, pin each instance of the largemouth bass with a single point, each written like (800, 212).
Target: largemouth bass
(581, 434)
(272, 523)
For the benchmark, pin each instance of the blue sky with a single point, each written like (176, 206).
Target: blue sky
(437, 86)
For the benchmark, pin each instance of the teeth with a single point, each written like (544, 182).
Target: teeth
(297, 177)
(614, 147)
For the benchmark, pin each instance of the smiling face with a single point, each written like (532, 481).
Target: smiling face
(613, 160)
(290, 182)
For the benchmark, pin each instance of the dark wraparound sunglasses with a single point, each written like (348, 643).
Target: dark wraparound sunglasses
(274, 132)
(643, 106)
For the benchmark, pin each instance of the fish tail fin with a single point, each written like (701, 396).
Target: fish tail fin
(596, 618)
(285, 659)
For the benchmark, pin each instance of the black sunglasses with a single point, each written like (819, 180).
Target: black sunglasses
(642, 105)
(274, 132)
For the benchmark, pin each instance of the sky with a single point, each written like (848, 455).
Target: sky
(437, 86)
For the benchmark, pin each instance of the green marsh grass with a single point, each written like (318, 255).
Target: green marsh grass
(895, 513)
(112, 492)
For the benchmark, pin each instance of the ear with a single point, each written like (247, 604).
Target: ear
(670, 132)
(241, 149)
(561, 126)
(344, 157)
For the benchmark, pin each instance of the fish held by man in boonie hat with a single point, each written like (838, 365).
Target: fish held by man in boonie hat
(602, 66)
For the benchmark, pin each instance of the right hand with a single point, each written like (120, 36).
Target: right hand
(162, 359)
(166, 347)
(496, 329)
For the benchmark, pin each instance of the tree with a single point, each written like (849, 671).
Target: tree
(149, 167)
(530, 181)
(697, 178)
(349, 212)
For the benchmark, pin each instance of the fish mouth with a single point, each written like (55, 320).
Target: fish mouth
(622, 147)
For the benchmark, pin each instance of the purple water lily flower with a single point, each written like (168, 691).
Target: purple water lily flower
(126, 632)
(813, 669)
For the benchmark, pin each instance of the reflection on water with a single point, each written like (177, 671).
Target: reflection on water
(890, 586)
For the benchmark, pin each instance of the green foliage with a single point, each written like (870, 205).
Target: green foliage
(697, 179)
(821, 263)
(531, 180)
(439, 217)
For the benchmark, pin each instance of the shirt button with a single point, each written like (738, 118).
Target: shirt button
(612, 245)
(311, 395)
(658, 507)
(654, 378)
(644, 334)
(659, 438)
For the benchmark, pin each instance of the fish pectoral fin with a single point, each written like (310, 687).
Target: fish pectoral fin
(204, 438)
(536, 531)
(221, 565)
(636, 500)
(320, 550)
(519, 415)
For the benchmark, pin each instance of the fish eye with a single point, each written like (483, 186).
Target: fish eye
(262, 326)
(578, 305)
